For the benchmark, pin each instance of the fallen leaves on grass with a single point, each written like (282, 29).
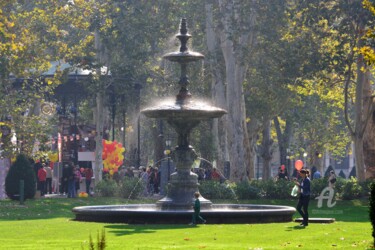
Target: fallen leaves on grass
(285, 244)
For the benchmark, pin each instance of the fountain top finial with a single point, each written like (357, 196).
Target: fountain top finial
(183, 36)
(183, 27)
(184, 55)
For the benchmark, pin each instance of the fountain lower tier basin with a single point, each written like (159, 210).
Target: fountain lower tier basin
(152, 214)
(191, 110)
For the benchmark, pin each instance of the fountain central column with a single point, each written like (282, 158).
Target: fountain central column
(183, 183)
(183, 116)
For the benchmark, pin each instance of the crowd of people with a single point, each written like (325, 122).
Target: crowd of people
(209, 173)
(150, 176)
(72, 177)
(68, 184)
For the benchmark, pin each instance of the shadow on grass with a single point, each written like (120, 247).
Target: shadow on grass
(122, 230)
(297, 227)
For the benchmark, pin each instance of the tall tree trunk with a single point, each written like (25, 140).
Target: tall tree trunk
(284, 138)
(317, 160)
(99, 136)
(99, 112)
(361, 114)
(218, 89)
(369, 136)
(254, 127)
(238, 140)
(266, 150)
(359, 120)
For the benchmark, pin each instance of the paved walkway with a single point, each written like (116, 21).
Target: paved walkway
(55, 196)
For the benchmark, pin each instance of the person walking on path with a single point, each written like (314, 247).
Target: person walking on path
(49, 172)
(77, 178)
(64, 179)
(304, 198)
(197, 210)
(144, 179)
(71, 182)
(42, 176)
(88, 176)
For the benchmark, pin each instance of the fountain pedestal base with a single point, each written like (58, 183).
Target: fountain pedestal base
(181, 189)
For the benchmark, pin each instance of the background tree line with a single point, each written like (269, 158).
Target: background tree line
(293, 74)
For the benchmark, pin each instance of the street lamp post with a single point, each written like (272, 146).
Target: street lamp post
(257, 167)
(304, 159)
(168, 152)
(75, 132)
(138, 88)
(288, 160)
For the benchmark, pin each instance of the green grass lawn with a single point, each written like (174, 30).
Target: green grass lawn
(49, 224)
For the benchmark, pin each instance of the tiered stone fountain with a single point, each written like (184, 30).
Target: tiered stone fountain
(183, 115)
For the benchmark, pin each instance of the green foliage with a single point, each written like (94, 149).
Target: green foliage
(351, 189)
(372, 209)
(344, 189)
(101, 241)
(275, 189)
(131, 188)
(106, 188)
(245, 190)
(216, 190)
(366, 187)
(339, 185)
(21, 169)
(317, 185)
(128, 188)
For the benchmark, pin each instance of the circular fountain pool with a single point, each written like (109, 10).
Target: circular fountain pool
(152, 214)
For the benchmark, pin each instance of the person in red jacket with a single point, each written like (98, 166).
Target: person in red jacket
(215, 175)
(42, 176)
(88, 175)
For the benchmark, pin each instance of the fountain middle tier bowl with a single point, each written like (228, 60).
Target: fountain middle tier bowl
(183, 57)
(192, 110)
(152, 214)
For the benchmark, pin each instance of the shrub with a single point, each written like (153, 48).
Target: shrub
(106, 188)
(131, 188)
(372, 210)
(339, 185)
(317, 186)
(351, 190)
(366, 187)
(244, 190)
(276, 190)
(21, 169)
(216, 190)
